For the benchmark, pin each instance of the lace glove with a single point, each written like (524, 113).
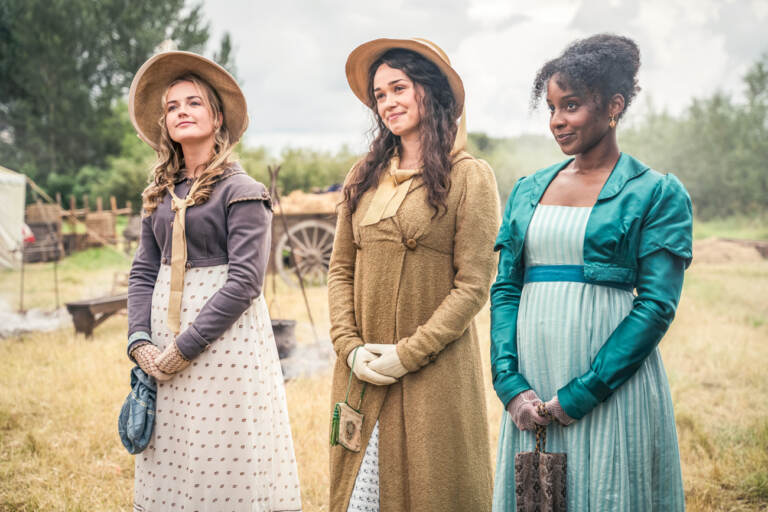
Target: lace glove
(171, 360)
(145, 355)
(522, 408)
(361, 369)
(554, 408)
(388, 363)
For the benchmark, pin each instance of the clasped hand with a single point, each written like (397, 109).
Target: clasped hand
(160, 365)
(524, 411)
(377, 363)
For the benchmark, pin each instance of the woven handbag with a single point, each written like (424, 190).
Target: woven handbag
(540, 477)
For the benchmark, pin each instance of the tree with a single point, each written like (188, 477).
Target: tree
(64, 64)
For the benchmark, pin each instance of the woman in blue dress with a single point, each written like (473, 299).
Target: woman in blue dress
(592, 255)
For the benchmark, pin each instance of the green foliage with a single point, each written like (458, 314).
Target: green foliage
(225, 57)
(124, 176)
(64, 64)
(300, 168)
(513, 158)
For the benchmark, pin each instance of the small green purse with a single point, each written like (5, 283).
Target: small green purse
(346, 421)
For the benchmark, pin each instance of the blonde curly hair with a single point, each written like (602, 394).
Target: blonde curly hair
(169, 165)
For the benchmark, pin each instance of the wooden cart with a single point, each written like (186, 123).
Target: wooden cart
(311, 222)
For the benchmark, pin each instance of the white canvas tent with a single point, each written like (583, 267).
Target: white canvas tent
(12, 191)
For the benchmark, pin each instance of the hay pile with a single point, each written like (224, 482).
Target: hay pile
(717, 250)
(298, 202)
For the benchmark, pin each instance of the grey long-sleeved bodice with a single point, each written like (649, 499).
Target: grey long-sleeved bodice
(232, 227)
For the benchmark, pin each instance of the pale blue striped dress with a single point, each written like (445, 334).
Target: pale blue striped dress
(622, 456)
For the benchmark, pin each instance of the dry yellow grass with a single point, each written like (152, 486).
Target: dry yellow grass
(60, 395)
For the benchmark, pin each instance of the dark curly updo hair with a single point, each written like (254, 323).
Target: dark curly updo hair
(602, 65)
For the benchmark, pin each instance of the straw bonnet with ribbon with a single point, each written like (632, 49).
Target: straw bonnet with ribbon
(394, 184)
(145, 106)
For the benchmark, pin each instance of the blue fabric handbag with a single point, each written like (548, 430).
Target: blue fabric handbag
(137, 417)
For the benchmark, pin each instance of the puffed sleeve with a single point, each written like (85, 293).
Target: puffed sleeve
(669, 222)
(664, 253)
(477, 222)
(249, 220)
(508, 382)
(141, 285)
(345, 333)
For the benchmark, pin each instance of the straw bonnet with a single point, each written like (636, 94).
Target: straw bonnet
(154, 76)
(362, 58)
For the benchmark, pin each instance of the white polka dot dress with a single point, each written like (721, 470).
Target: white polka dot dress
(222, 439)
(365, 494)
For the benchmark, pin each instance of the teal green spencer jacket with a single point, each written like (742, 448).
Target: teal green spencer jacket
(639, 232)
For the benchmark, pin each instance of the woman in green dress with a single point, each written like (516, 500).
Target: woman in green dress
(592, 255)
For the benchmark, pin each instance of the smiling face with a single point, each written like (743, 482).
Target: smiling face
(576, 120)
(188, 116)
(397, 100)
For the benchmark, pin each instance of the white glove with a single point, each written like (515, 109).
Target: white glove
(522, 408)
(361, 357)
(556, 410)
(388, 363)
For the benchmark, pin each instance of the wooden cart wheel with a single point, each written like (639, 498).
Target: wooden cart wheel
(314, 243)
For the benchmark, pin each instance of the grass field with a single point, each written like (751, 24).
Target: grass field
(60, 393)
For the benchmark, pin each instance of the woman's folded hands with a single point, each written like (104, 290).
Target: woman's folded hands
(171, 360)
(388, 362)
(376, 363)
(160, 365)
(145, 356)
(554, 408)
(522, 409)
(358, 361)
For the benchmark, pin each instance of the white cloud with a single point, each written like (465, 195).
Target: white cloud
(291, 55)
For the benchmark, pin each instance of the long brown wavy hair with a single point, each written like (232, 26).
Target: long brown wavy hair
(170, 159)
(437, 129)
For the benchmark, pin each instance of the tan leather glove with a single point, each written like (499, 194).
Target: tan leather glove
(171, 360)
(522, 408)
(361, 369)
(388, 363)
(145, 355)
(554, 408)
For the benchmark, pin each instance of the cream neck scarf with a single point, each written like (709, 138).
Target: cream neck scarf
(390, 193)
(394, 184)
(178, 254)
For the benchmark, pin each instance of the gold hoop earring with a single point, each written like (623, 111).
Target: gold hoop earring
(612, 122)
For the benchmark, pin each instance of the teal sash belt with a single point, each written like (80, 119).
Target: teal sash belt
(571, 273)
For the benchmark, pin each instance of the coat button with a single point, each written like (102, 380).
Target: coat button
(411, 243)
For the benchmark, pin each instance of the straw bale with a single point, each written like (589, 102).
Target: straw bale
(298, 202)
(39, 213)
(101, 223)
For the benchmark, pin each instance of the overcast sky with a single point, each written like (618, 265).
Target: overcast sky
(290, 55)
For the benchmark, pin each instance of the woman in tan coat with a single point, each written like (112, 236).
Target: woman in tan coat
(411, 267)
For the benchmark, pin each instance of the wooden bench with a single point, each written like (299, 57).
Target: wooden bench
(87, 314)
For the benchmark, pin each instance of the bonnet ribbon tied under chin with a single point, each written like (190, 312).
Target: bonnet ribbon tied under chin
(178, 255)
(394, 184)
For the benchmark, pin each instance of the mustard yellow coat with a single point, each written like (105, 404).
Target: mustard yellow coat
(419, 281)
